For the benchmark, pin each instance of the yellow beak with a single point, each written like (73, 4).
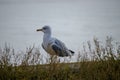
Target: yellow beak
(39, 29)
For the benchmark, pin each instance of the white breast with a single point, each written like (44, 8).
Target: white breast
(48, 46)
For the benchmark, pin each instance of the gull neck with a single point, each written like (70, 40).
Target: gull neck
(46, 36)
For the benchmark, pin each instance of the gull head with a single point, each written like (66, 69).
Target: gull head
(45, 29)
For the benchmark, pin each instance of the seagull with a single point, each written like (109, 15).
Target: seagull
(52, 45)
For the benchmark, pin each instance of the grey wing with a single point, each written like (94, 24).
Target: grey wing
(60, 48)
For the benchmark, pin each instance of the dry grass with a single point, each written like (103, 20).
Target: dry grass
(99, 62)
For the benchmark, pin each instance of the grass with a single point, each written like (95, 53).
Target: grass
(95, 62)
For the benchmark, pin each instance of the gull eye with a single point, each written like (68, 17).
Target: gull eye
(44, 28)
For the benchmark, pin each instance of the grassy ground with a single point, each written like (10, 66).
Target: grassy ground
(94, 62)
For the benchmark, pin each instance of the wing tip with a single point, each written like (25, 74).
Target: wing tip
(72, 52)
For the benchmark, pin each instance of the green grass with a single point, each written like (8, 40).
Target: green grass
(95, 62)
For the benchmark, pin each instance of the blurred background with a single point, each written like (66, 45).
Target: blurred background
(72, 21)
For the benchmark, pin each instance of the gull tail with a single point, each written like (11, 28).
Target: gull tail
(72, 52)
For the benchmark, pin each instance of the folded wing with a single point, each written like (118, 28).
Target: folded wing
(60, 49)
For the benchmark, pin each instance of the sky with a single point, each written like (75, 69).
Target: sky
(72, 21)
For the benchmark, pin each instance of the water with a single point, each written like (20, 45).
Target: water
(73, 22)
